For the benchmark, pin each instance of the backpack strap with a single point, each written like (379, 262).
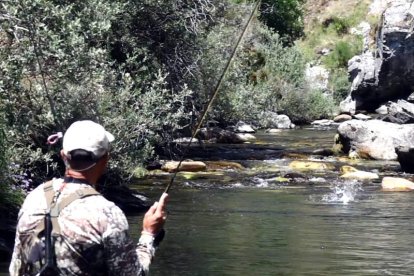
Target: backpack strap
(54, 208)
(49, 194)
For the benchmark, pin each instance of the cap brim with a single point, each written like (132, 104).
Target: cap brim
(109, 136)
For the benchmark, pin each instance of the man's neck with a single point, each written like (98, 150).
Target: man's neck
(87, 176)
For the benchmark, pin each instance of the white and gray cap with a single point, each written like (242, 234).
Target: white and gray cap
(89, 136)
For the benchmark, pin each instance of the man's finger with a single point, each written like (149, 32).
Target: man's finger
(153, 208)
(161, 204)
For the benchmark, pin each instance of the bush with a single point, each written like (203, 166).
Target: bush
(10, 198)
(304, 107)
(338, 24)
(342, 52)
(258, 77)
(339, 84)
(63, 63)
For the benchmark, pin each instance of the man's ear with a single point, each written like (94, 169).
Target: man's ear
(64, 158)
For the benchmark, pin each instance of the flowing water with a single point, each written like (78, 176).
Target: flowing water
(248, 224)
(267, 219)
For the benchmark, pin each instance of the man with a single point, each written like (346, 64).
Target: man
(91, 233)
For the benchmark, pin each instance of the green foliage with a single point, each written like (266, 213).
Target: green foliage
(264, 77)
(10, 199)
(340, 55)
(285, 17)
(304, 107)
(70, 61)
(339, 84)
(339, 25)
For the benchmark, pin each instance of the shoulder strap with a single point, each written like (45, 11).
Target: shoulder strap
(55, 209)
(49, 193)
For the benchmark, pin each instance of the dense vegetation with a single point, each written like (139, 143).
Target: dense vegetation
(144, 69)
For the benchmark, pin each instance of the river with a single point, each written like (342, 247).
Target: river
(269, 220)
(249, 224)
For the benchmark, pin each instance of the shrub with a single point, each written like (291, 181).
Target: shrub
(61, 65)
(339, 84)
(260, 73)
(338, 24)
(10, 198)
(342, 52)
(303, 107)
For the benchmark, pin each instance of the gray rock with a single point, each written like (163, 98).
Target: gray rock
(274, 120)
(362, 117)
(374, 139)
(342, 118)
(401, 112)
(382, 110)
(387, 72)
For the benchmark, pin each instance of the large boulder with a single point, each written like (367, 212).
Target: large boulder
(387, 72)
(374, 139)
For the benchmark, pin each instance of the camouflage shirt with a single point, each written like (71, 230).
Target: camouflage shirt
(94, 237)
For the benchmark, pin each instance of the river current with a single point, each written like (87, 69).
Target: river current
(319, 225)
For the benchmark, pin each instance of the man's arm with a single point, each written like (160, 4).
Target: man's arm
(16, 263)
(123, 256)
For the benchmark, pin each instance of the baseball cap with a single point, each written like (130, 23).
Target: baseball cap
(88, 136)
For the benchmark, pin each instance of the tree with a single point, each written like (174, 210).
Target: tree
(285, 17)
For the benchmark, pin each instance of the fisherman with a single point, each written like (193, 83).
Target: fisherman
(91, 235)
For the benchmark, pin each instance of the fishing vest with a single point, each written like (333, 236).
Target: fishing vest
(50, 228)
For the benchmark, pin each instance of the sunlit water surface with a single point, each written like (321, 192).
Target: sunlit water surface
(286, 232)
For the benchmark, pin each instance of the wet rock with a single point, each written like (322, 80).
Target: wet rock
(348, 169)
(189, 166)
(294, 175)
(342, 118)
(223, 165)
(246, 137)
(273, 130)
(323, 122)
(242, 127)
(406, 159)
(362, 117)
(360, 175)
(310, 166)
(219, 135)
(396, 184)
(201, 175)
(323, 152)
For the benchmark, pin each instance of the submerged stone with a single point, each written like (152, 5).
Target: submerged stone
(310, 165)
(223, 165)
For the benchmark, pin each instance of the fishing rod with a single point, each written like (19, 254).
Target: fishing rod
(214, 94)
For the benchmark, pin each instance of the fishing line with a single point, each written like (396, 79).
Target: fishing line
(213, 96)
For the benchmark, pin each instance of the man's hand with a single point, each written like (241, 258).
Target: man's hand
(155, 217)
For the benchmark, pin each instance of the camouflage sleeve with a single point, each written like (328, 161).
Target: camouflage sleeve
(123, 255)
(16, 264)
